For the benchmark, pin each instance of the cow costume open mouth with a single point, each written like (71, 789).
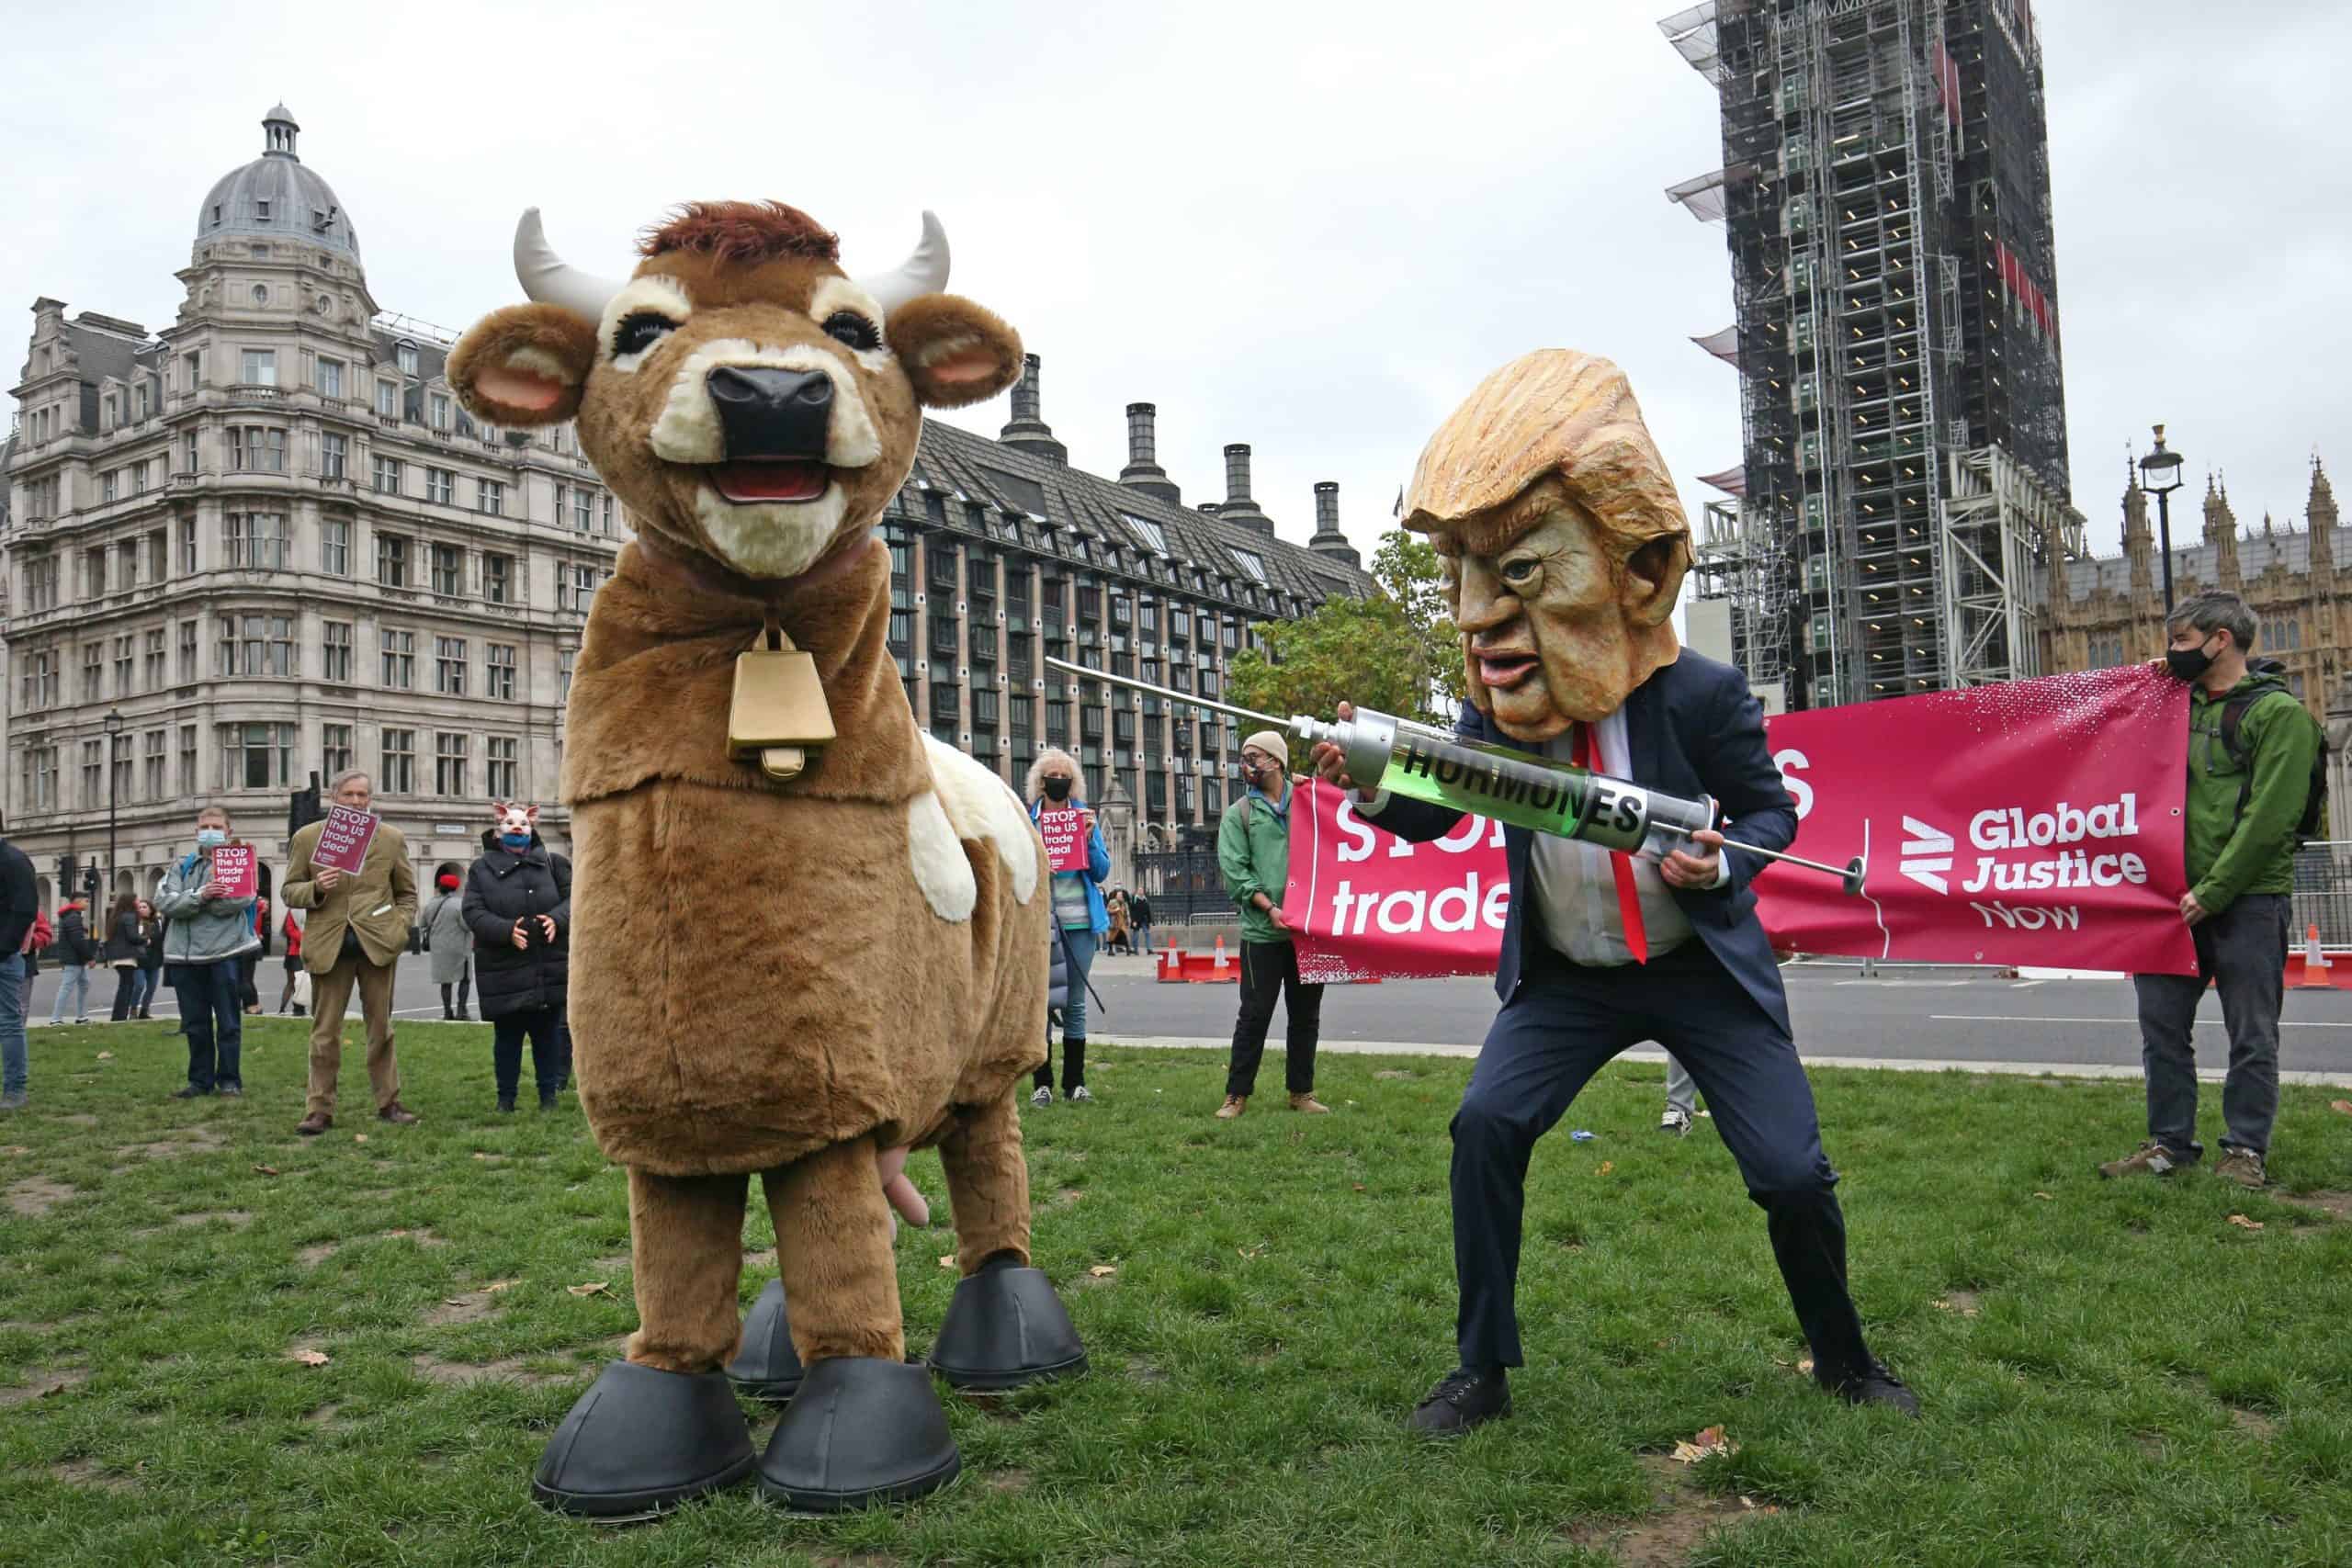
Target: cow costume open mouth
(760, 480)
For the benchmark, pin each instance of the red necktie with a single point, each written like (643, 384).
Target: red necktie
(1581, 750)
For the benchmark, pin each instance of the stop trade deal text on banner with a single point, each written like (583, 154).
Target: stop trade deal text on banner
(2033, 822)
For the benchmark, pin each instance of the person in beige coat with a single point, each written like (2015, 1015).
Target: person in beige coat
(358, 926)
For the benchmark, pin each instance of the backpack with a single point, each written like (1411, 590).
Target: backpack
(2313, 824)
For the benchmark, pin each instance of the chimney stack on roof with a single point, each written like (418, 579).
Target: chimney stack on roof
(1027, 430)
(1329, 541)
(1238, 508)
(1143, 472)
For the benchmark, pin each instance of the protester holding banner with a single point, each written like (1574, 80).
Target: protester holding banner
(351, 870)
(2251, 749)
(1562, 546)
(212, 926)
(1081, 863)
(1253, 854)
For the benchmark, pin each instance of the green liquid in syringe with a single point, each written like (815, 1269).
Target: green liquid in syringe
(1488, 781)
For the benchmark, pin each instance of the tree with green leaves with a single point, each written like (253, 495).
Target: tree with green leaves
(1396, 650)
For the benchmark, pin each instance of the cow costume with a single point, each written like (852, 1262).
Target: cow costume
(804, 935)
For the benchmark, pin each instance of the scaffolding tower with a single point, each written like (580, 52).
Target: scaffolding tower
(1884, 192)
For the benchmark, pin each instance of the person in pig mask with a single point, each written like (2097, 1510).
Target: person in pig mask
(1564, 546)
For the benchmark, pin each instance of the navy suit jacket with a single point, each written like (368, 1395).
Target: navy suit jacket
(1692, 728)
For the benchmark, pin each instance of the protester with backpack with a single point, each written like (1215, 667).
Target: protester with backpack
(2256, 781)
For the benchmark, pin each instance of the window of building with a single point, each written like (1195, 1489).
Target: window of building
(387, 399)
(449, 666)
(984, 706)
(387, 475)
(391, 561)
(257, 448)
(404, 354)
(500, 769)
(188, 652)
(498, 579)
(158, 662)
(94, 573)
(334, 456)
(188, 546)
(499, 671)
(159, 558)
(1149, 531)
(256, 539)
(125, 662)
(192, 366)
(126, 564)
(489, 498)
(563, 673)
(441, 485)
(257, 756)
(606, 503)
(334, 546)
(334, 749)
(562, 498)
(398, 774)
(109, 484)
(94, 664)
(41, 582)
(156, 756)
(449, 569)
(448, 763)
(584, 510)
(1252, 563)
(400, 660)
(187, 452)
(93, 772)
(336, 653)
(261, 211)
(584, 587)
(440, 410)
(330, 377)
(257, 367)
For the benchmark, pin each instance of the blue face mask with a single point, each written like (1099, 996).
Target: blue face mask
(210, 838)
(515, 840)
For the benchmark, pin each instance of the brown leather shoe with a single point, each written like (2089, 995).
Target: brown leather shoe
(397, 1113)
(317, 1121)
(1309, 1104)
(1234, 1105)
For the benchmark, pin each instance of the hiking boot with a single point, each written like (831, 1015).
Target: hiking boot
(1309, 1104)
(190, 1092)
(2151, 1156)
(1462, 1399)
(230, 1091)
(506, 1105)
(2243, 1167)
(317, 1121)
(1235, 1104)
(1675, 1120)
(398, 1114)
(1872, 1383)
(1079, 1096)
(1043, 1097)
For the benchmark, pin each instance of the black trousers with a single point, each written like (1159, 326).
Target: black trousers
(506, 1050)
(1268, 969)
(1558, 1029)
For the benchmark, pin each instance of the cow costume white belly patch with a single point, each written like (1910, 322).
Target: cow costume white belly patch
(966, 801)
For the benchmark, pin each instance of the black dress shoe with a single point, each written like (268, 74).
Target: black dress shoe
(860, 1431)
(190, 1092)
(641, 1441)
(1462, 1399)
(767, 1367)
(1005, 1327)
(1872, 1383)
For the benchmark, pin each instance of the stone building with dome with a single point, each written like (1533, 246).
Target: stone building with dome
(264, 541)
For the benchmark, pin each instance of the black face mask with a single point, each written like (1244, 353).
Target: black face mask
(2188, 663)
(1057, 789)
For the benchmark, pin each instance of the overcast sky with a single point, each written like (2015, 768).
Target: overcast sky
(1308, 226)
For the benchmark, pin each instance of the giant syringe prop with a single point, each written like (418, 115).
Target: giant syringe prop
(1413, 758)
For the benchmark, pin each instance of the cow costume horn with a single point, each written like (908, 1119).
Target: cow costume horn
(549, 279)
(924, 272)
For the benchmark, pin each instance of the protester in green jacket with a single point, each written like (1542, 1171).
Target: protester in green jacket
(2245, 803)
(1253, 853)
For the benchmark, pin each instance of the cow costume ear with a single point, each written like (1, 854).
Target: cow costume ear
(524, 366)
(954, 351)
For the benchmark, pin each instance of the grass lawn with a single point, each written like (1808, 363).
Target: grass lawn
(2113, 1372)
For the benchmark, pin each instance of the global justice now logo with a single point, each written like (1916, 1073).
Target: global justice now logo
(2046, 850)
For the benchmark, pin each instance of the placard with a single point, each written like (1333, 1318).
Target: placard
(238, 871)
(1064, 843)
(343, 840)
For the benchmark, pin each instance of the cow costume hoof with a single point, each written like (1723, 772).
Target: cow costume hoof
(1006, 1328)
(641, 1441)
(860, 1431)
(768, 1368)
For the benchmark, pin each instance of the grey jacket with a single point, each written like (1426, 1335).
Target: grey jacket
(202, 931)
(446, 937)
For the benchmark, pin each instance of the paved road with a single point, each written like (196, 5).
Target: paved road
(1937, 1017)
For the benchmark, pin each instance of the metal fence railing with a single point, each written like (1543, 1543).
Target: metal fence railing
(2322, 896)
(1185, 886)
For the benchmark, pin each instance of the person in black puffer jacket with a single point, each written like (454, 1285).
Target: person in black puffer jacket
(518, 907)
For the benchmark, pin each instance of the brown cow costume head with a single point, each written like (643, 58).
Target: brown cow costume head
(1561, 537)
(749, 400)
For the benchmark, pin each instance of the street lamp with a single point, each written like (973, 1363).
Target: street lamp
(2160, 476)
(114, 729)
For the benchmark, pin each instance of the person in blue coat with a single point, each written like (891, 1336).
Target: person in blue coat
(1079, 919)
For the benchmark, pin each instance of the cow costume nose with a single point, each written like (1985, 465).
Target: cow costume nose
(767, 412)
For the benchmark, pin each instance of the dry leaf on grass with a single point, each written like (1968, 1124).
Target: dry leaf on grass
(1711, 1442)
(1944, 1304)
(310, 1358)
(105, 1055)
(948, 1261)
(359, 1137)
(1805, 1366)
(1607, 1166)
(2343, 1107)
(497, 1285)
(1103, 1270)
(2243, 1223)
(593, 1288)
(12, 1150)
(266, 1170)
(2045, 1197)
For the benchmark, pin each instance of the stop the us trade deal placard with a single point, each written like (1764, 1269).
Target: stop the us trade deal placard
(343, 842)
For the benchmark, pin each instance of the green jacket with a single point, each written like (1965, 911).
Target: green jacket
(1253, 851)
(2229, 854)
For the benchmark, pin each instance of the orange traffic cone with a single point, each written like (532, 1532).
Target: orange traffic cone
(1219, 966)
(2315, 965)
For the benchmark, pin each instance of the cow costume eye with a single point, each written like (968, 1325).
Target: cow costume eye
(848, 327)
(638, 331)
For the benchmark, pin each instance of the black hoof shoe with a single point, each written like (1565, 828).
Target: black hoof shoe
(641, 1441)
(1006, 1328)
(860, 1431)
(767, 1367)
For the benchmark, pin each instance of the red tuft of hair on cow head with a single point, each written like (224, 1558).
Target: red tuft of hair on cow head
(743, 231)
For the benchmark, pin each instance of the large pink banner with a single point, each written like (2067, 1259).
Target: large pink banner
(2036, 823)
